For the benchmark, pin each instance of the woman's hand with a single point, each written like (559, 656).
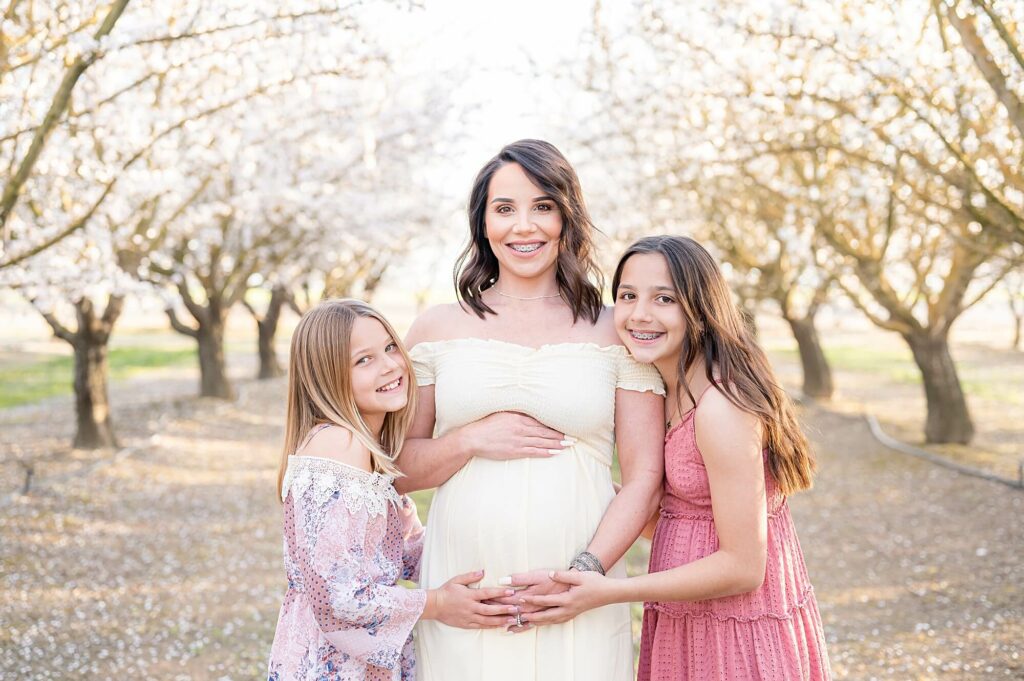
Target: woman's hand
(587, 590)
(533, 583)
(510, 435)
(458, 605)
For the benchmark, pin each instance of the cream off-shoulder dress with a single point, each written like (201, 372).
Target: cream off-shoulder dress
(525, 514)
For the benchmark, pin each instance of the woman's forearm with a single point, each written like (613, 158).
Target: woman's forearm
(429, 462)
(626, 516)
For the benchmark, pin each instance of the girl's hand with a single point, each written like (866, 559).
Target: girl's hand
(510, 435)
(458, 605)
(587, 590)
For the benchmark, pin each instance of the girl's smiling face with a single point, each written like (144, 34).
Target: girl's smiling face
(379, 374)
(648, 315)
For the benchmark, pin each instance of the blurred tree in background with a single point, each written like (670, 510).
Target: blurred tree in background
(194, 152)
(870, 147)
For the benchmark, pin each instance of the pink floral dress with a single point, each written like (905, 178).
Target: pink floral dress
(348, 538)
(773, 633)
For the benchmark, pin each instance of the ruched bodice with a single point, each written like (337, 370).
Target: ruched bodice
(523, 514)
(474, 378)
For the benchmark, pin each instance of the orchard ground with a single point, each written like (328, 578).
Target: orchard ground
(163, 559)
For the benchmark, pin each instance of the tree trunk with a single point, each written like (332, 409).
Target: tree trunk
(948, 417)
(267, 327)
(213, 374)
(209, 336)
(817, 372)
(89, 342)
(92, 407)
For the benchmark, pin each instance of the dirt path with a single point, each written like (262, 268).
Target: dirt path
(166, 564)
(918, 570)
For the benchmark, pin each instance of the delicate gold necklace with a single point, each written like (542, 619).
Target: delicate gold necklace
(507, 295)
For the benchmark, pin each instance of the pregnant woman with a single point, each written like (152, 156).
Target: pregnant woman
(530, 392)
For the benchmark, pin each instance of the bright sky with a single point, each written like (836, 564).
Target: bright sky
(501, 62)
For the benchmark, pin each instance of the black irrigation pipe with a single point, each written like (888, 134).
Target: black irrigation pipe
(893, 443)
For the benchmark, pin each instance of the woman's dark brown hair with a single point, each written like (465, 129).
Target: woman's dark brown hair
(717, 336)
(579, 279)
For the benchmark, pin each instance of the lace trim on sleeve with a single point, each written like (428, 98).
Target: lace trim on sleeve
(359, 490)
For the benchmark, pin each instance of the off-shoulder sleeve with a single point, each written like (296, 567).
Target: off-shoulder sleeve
(358, 611)
(638, 377)
(412, 535)
(424, 360)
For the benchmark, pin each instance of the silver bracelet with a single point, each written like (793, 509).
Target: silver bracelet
(586, 562)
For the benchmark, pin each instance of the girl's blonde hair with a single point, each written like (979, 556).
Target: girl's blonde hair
(320, 384)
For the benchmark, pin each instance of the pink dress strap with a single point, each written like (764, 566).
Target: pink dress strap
(312, 433)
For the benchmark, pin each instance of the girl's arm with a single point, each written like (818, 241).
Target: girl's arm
(639, 438)
(412, 540)
(652, 522)
(730, 443)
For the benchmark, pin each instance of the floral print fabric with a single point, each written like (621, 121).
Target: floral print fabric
(348, 538)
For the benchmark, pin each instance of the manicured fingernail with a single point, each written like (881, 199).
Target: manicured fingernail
(510, 592)
(551, 574)
(513, 609)
(552, 452)
(505, 581)
(567, 443)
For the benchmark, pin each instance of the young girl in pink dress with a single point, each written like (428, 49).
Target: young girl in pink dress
(348, 536)
(727, 593)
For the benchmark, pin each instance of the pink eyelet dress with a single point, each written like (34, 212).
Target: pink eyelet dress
(771, 634)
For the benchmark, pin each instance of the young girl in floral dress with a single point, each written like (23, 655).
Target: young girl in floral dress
(348, 535)
(727, 593)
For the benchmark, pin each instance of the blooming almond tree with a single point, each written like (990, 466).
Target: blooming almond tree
(881, 134)
(97, 98)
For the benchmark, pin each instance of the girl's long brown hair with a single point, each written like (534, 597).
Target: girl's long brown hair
(717, 336)
(579, 278)
(320, 384)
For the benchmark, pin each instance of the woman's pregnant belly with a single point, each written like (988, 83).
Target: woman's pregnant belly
(512, 516)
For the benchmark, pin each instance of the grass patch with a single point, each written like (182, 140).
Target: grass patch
(51, 377)
(896, 364)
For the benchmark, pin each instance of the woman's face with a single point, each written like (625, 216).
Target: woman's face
(379, 373)
(523, 223)
(648, 316)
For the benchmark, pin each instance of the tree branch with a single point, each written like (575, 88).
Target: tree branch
(178, 326)
(58, 105)
(985, 62)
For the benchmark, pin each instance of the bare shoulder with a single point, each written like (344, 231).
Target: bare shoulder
(604, 330)
(436, 323)
(339, 444)
(725, 430)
